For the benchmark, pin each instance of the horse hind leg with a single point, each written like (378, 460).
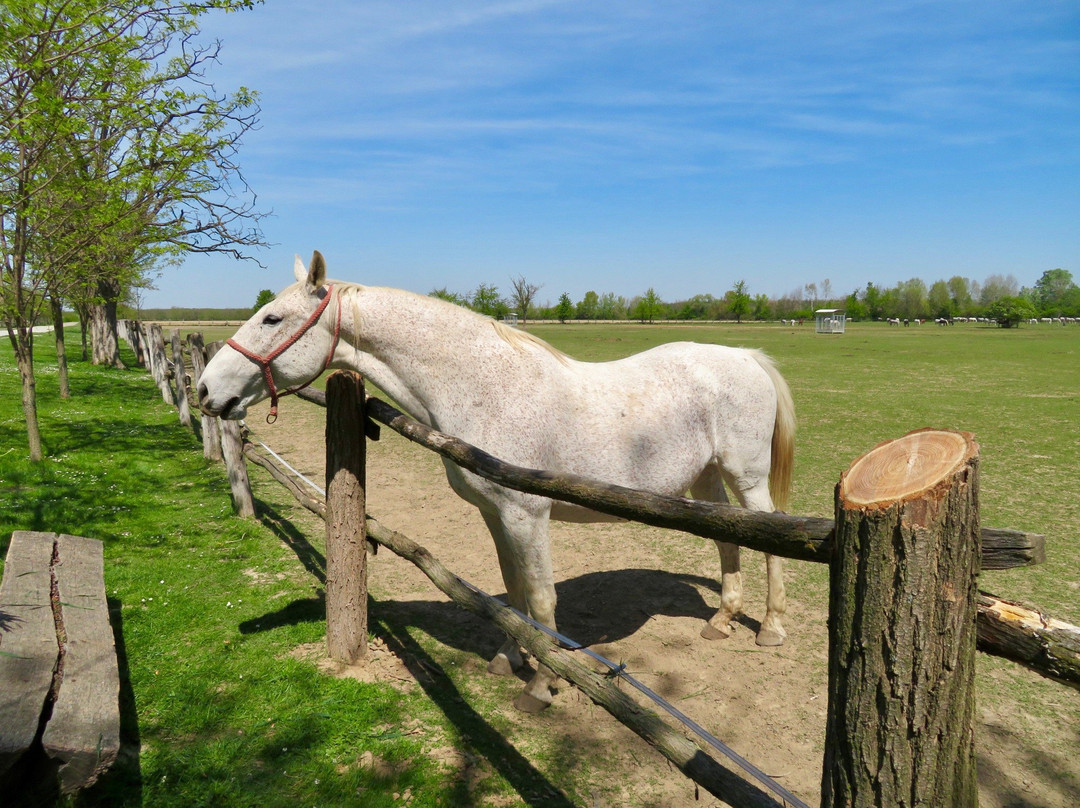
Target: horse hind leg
(709, 487)
(772, 631)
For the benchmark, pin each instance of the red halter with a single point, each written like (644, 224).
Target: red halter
(264, 361)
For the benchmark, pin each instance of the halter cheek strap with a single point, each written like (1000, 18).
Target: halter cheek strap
(264, 361)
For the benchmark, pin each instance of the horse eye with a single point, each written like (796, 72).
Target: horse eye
(271, 319)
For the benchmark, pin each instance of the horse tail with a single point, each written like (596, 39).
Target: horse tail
(783, 437)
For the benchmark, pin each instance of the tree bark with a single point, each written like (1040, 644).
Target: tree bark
(103, 342)
(22, 340)
(902, 612)
(61, 354)
(346, 539)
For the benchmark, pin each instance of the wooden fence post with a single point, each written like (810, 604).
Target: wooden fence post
(180, 379)
(902, 607)
(138, 342)
(159, 365)
(232, 450)
(346, 539)
(211, 427)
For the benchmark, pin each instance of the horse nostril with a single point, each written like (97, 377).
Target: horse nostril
(203, 392)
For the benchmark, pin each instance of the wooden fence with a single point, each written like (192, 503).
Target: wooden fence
(906, 538)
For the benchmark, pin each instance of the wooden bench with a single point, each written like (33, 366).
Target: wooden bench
(59, 681)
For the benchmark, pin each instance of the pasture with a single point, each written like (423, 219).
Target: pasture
(230, 709)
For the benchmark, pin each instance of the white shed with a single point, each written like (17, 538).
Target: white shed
(830, 321)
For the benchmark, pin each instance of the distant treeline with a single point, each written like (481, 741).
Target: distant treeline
(177, 314)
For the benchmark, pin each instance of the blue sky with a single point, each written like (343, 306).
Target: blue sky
(677, 145)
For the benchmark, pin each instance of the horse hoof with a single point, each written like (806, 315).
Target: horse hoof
(500, 666)
(770, 637)
(711, 632)
(528, 703)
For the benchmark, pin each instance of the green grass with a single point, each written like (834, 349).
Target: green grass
(219, 712)
(1016, 390)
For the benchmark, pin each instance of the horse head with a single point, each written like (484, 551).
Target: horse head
(284, 347)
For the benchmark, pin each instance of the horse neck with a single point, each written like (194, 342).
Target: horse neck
(415, 349)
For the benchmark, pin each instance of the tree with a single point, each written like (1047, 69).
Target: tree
(450, 297)
(565, 310)
(649, 306)
(88, 200)
(740, 301)
(996, 287)
(762, 309)
(522, 295)
(612, 307)
(485, 299)
(1053, 290)
(1010, 311)
(872, 299)
(911, 299)
(960, 290)
(265, 296)
(855, 308)
(940, 301)
(588, 306)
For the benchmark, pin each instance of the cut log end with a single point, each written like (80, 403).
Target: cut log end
(905, 468)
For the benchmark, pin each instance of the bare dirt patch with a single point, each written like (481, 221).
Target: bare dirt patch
(639, 596)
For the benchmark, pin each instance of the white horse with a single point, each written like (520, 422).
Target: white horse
(680, 417)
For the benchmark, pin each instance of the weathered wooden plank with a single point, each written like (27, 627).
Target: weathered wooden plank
(83, 734)
(28, 644)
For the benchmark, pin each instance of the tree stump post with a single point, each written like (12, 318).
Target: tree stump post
(346, 536)
(232, 451)
(902, 610)
(211, 429)
(180, 379)
(159, 365)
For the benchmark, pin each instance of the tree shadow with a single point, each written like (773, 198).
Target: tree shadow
(998, 774)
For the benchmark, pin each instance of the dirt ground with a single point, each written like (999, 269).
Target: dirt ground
(638, 595)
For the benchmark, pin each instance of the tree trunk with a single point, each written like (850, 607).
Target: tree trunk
(103, 341)
(346, 538)
(902, 611)
(61, 355)
(22, 340)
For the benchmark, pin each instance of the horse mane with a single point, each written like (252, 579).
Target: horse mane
(520, 341)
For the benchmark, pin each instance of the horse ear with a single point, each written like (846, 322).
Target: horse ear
(299, 270)
(316, 275)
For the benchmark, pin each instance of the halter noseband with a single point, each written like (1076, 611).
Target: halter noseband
(264, 361)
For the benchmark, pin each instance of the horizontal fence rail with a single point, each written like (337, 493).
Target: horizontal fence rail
(805, 538)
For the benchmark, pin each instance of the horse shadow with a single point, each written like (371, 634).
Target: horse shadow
(598, 607)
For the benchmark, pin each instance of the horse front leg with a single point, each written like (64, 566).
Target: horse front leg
(524, 550)
(508, 658)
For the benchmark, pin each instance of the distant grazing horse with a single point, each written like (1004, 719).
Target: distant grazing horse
(680, 417)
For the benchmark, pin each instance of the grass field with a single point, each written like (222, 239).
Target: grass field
(226, 717)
